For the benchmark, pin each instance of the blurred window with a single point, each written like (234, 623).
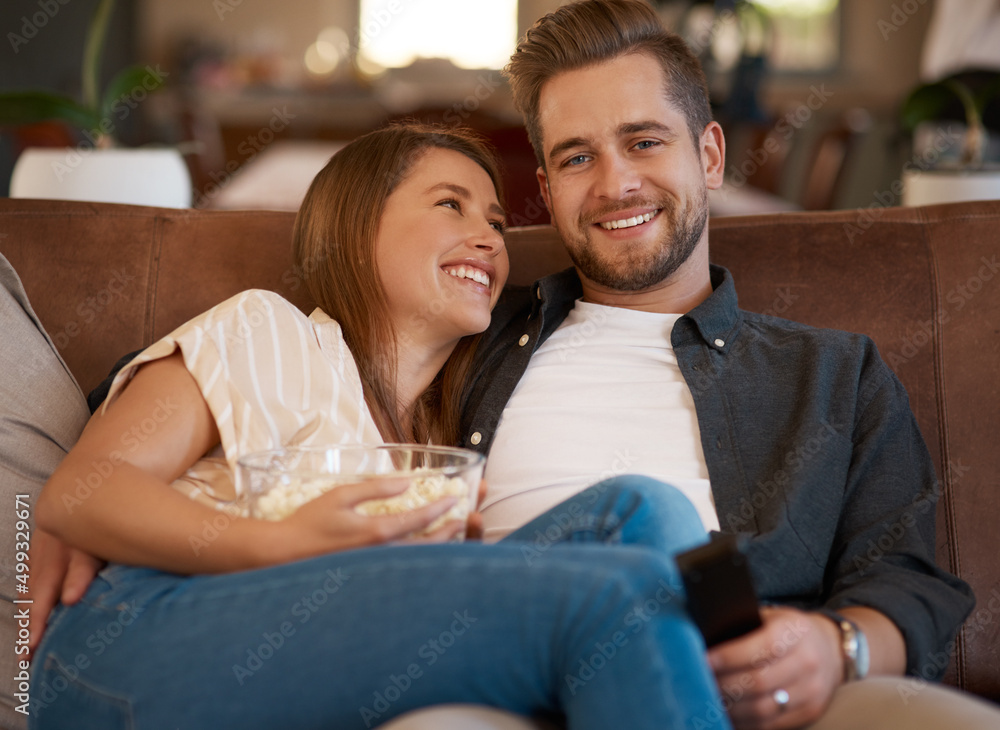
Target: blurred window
(470, 33)
(804, 35)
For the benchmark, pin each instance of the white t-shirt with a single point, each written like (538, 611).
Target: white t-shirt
(271, 376)
(603, 396)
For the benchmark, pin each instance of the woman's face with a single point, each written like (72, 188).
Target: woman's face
(440, 250)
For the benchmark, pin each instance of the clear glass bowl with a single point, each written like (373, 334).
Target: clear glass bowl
(275, 483)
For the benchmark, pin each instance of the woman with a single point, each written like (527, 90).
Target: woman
(290, 624)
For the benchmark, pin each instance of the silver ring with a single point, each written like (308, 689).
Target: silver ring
(781, 699)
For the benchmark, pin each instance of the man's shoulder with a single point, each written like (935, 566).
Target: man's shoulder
(778, 329)
(802, 346)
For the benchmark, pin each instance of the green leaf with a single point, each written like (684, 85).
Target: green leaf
(126, 83)
(29, 107)
(925, 103)
(988, 93)
(92, 51)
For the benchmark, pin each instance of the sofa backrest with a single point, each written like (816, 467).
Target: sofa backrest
(922, 282)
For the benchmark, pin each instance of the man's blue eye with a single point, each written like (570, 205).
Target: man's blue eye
(576, 160)
(646, 144)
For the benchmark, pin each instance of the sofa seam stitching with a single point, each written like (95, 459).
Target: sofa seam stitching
(941, 405)
(155, 262)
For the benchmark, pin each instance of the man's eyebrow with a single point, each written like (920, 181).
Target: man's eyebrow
(463, 192)
(566, 144)
(627, 128)
(648, 125)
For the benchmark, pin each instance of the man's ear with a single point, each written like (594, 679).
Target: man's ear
(713, 155)
(543, 186)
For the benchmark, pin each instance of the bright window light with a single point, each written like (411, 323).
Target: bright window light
(797, 7)
(393, 33)
(805, 34)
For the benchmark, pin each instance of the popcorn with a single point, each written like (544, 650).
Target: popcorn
(283, 499)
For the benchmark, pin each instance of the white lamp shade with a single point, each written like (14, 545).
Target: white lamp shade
(155, 177)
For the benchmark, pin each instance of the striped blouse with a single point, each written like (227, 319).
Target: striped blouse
(271, 377)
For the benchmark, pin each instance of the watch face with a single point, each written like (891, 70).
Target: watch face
(863, 659)
(854, 644)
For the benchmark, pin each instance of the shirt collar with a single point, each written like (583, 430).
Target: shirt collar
(716, 320)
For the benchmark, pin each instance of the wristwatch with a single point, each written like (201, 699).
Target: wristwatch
(853, 647)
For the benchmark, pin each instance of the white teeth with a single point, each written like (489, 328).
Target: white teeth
(628, 222)
(463, 272)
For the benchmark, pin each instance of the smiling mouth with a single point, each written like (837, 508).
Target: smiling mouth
(469, 272)
(629, 222)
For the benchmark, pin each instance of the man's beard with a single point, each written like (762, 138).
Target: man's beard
(625, 270)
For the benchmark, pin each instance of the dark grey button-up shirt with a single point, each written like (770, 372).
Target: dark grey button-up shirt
(811, 447)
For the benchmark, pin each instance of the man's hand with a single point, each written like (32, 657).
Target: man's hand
(794, 651)
(58, 573)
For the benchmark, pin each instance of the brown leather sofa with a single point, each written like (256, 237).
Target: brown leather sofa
(922, 282)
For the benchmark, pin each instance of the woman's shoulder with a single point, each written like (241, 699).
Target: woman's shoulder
(259, 302)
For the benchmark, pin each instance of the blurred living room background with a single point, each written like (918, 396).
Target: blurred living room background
(257, 94)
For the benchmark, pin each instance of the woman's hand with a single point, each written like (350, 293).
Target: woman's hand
(794, 651)
(329, 523)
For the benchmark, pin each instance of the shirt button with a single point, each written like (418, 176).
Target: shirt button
(476, 438)
(523, 341)
(720, 342)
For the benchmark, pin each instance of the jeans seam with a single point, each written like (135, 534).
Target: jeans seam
(53, 663)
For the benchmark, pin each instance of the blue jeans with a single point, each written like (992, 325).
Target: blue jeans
(549, 622)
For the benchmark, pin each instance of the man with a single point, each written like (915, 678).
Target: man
(36, 431)
(639, 360)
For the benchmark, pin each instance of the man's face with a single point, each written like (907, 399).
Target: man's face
(626, 186)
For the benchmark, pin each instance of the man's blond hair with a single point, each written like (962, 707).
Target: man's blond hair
(595, 31)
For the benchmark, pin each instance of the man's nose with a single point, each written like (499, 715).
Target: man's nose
(616, 178)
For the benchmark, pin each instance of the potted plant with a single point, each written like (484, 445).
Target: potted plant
(99, 168)
(969, 175)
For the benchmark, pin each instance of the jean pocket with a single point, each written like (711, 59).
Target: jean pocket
(116, 586)
(61, 698)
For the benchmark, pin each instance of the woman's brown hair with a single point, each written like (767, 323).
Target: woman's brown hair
(584, 33)
(334, 243)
